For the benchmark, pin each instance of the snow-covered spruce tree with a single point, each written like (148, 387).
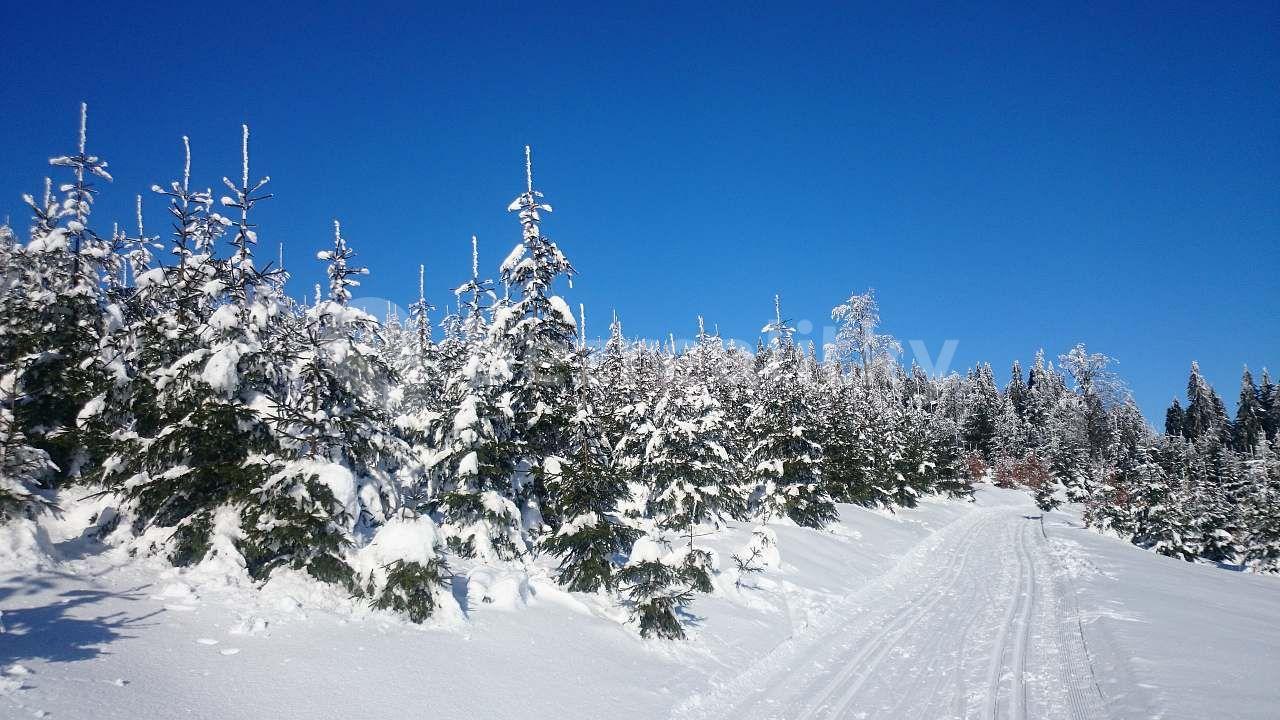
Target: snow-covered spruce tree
(863, 427)
(24, 470)
(731, 383)
(210, 443)
(984, 409)
(1248, 430)
(1215, 509)
(1162, 491)
(1261, 519)
(475, 456)
(1011, 435)
(538, 330)
(1044, 388)
(1205, 413)
(786, 456)
(589, 488)
(846, 467)
(645, 373)
(883, 443)
(1173, 418)
(156, 320)
(1067, 449)
(1114, 501)
(686, 465)
(655, 589)
(1269, 405)
(615, 393)
(333, 470)
(128, 313)
(916, 469)
(53, 326)
(475, 299)
(950, 477)
(418, 366)
(1016, 390)
(1158, 483)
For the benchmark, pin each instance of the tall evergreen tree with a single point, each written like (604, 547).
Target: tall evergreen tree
(1173, 419)
(786, 454)
(1269, 405)
(1249, 433)
(54, 324)
(539, 330)
(590, 488)
(984, 409)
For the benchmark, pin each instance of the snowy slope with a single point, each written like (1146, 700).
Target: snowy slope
(950, 610)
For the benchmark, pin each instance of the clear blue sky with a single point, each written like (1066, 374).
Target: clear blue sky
(1006, 177)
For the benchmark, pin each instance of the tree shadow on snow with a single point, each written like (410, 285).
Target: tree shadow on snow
(65, 630)
(687, 618)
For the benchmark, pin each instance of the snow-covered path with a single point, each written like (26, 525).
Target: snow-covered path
(973, 623)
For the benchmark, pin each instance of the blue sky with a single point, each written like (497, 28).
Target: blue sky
(1010, 178)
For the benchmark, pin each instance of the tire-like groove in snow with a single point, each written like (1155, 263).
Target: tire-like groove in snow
(1027, 601)
(996, 663)
(1084, 697)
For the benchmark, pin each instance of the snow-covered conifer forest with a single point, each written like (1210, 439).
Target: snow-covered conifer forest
(168, 400)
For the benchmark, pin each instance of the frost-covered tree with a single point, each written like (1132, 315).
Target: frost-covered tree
(656, 589)
(1205, 414)
(590, 488)
(786, 456)
(53, 323)
(1173, 419)
(1261, 519)
(334, 467)
(24, 469)
(537, 329)
(687, 467)
(983, 415)
(1269, 405)
(209, 440)
(857, 338)
(1249, 433)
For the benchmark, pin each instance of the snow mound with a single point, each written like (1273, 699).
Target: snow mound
(499, 588)
(408, 539)
(24, 547)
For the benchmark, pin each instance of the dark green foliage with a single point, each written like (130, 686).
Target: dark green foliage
(1173, 419)
(1045, 498)
(191, 540)
(588, 547)
(696, 570)
(411, 587)
(656, 591)
(979, 430)
(296, 521)
(468, 512)
(196, 467)
(1248, 429)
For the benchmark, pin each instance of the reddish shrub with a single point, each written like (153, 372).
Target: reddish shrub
(1029, 472)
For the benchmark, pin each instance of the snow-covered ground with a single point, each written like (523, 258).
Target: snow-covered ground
(952, 610)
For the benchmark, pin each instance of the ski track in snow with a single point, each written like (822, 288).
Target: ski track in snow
(975, 622)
